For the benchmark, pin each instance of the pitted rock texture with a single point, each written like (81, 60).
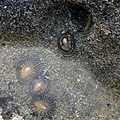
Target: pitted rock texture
(85, 86)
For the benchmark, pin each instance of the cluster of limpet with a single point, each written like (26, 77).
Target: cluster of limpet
(29, 70)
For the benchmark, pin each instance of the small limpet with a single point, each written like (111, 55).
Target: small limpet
(39, 86)
(66, 45)
(45, 105)
(29, 67)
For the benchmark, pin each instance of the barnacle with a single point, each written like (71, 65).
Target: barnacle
(29, 67)
(66, 45)
(45, 105)
(39, 86)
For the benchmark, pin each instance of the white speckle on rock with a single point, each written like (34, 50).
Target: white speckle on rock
(5, 7)
(17, 117)
(78, 80)
(1, 118)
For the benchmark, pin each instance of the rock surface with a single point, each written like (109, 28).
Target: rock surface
(86, 84)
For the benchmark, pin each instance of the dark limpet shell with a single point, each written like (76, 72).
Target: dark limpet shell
(45, 105)
(66, 45)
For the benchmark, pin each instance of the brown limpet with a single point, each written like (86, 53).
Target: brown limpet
(66, 45)
(45, 105)
(29, 67)
(39, 86)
